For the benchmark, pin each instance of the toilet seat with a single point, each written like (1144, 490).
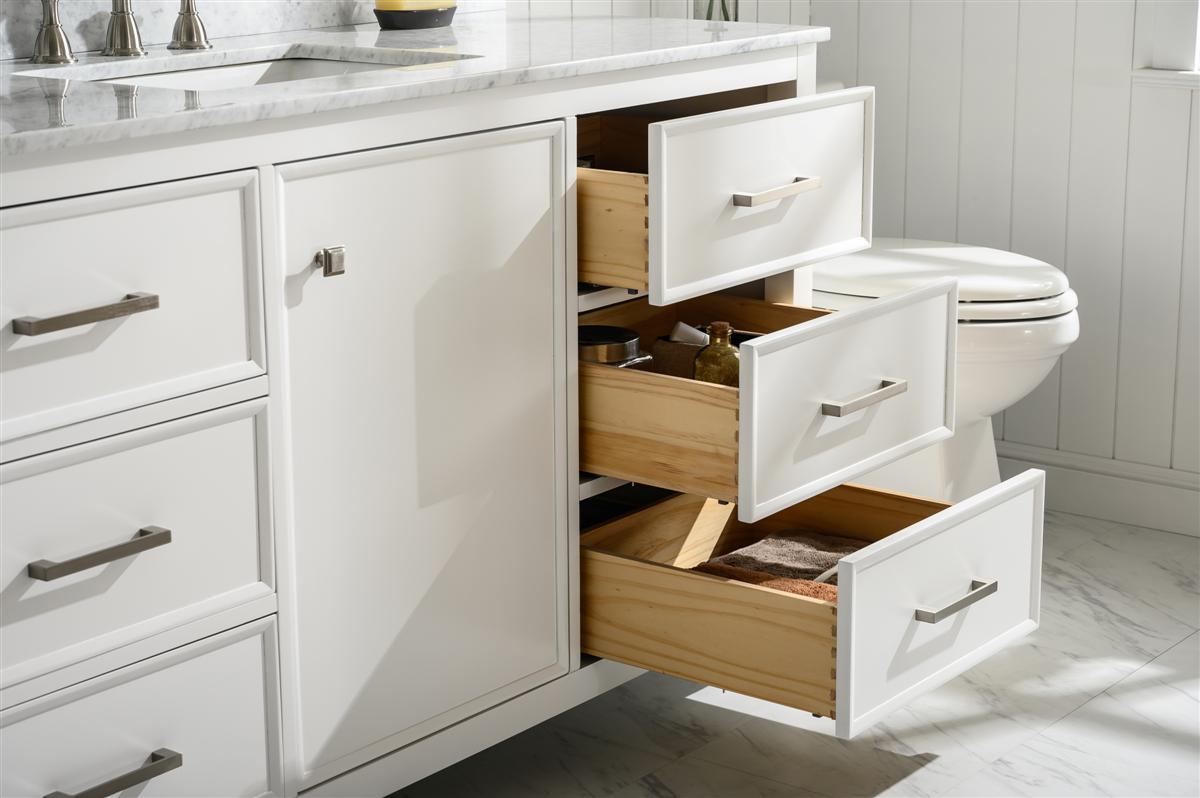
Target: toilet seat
(993, 285)
(1020, 310)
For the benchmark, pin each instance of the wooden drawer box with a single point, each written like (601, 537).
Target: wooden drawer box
(112, 541)
(776, 439)
(855, 659)
(116, 300)
(201, 720)
(686, 206)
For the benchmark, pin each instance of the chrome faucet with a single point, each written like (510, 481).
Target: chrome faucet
(123, 37)
(189, 33)
(51, 45)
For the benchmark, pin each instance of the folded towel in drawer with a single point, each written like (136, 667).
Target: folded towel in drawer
(794, 555)
(801, 587)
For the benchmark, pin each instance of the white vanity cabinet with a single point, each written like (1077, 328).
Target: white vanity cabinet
(428, 386)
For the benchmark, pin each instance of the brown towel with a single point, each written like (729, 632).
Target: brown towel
(795, 555)
(801, 587)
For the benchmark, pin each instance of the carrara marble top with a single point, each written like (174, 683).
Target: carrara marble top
(44, 112)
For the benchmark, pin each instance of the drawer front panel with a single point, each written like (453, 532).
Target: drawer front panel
(77, 513)
(745, 193)
(886, 655)
(156, 291)
(794, 445)
(214, 703)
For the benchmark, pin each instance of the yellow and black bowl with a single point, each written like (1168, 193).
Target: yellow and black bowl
(414, 14)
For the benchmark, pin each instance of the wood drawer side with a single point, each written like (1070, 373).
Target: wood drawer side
(659, 430)
(732, 635)
(614, 221)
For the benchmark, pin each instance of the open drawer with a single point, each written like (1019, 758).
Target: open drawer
(823, 398)
(975, 565)
(685, 206)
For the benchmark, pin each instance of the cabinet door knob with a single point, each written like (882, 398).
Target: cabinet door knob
(332, 261)
(131, 303)
(148, 537)
(161, 761)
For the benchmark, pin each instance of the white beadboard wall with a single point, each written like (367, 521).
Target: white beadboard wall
(1028, 125)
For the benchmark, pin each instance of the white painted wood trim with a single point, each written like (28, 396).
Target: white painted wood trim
(608, 296)
(428, 756)
(851, 719)
(137, 651)
(59, 458)
(566, 309)
(1113, 490)
(1168, 78)
(145, 416)
(58, 417)
(280, 453)
(595, 486)
(1157, 475)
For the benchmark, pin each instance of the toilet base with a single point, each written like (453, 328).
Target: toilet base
(951, 471)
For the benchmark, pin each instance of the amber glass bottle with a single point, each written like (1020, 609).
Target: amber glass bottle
(718, 362)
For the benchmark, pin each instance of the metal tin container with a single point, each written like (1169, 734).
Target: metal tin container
(612, 346)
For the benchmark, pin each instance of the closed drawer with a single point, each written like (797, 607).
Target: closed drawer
(854, 659)
(775, 439)
(112, 541)
(201, 720)
(157, 290)
(687, 206)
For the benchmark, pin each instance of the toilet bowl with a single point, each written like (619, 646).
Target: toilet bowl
(1016, 317)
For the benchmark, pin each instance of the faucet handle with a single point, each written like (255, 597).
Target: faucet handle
(189, 33)
(52, 45)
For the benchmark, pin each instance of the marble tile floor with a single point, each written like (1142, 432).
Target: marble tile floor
(1103, 700)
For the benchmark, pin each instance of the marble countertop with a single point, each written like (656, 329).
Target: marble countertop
(41, 111)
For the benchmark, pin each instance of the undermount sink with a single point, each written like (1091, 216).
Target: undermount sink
(256, 68)
(257, 73)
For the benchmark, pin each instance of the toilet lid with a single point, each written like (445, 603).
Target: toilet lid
(894, 265)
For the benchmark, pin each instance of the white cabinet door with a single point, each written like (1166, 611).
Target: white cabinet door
(428, 429)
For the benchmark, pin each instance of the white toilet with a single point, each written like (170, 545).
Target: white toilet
(1016, 316)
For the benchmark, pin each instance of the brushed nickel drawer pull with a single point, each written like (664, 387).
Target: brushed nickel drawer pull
(797, 186)
(888, 387)
(979, 591)
(137, 302)
(148, 537)
(161, 761)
